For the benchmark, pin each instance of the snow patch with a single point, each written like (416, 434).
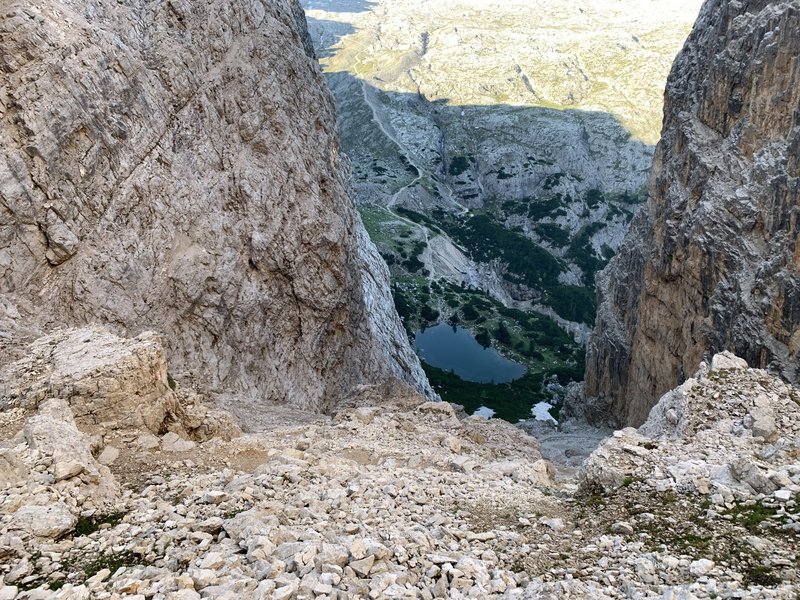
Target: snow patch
(541, 412)
(484, 411)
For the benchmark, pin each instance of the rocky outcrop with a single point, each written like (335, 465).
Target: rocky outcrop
(728, 431)
(713, 260)
(105, 379)
(174, 167)
(110, 383)
(721, 450)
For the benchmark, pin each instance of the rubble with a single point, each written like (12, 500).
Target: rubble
(409, 501)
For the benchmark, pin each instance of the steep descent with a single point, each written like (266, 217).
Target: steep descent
(712, 262)
(174, 166)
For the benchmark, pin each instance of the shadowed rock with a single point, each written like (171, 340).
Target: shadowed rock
(712, 262)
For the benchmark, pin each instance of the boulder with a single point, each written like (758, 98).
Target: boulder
(105, 379)
(727, 360)
(51, 521)
(53, 433)
(747, 471)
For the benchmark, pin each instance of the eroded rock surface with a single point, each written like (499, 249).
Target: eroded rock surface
(104, 378)
(174, 167)
(712, 262)
(713, 471)
(107, 383)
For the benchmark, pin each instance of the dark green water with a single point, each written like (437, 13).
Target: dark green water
(455, 349)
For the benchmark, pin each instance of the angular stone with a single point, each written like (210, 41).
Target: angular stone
(108, 455)
(358, 549)
(49, 522)
(64, 467)
(701, 567)
(147, 441)
(783, 495)
(554, 524)
(103, 378)
(463, 463)
(727, 360)
(8, 592)
(362, 567)
(622, 528)
(183, 595)
(749, 472)
(12, 470)
(452, 443)
(764, 424)
(52, 431)
(172, 442)
(332, 554)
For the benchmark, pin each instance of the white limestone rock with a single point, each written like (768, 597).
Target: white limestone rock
(104, 379)
(50, 522)
(727, 360)
(13, 471)
(108, 455)
(701, 567)
(172, 442)
(266, 290)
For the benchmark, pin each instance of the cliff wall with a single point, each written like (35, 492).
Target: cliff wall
(712, 262)
(174, 166)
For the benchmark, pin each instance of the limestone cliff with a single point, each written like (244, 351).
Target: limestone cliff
(712, 262)
(174, 166)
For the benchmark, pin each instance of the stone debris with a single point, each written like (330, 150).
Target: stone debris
(343, 507)
(700, 474)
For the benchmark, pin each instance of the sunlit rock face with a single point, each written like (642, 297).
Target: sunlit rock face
(451, 78)
(610, 56)
(713, 261)
(175, 167)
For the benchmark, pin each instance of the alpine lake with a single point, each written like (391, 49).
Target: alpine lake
(486, 382)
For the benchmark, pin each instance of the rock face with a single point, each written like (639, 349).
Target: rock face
(174, 166)
(713, 260)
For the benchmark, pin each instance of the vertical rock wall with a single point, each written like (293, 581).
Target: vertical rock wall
(712, 262)
(174, 166)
